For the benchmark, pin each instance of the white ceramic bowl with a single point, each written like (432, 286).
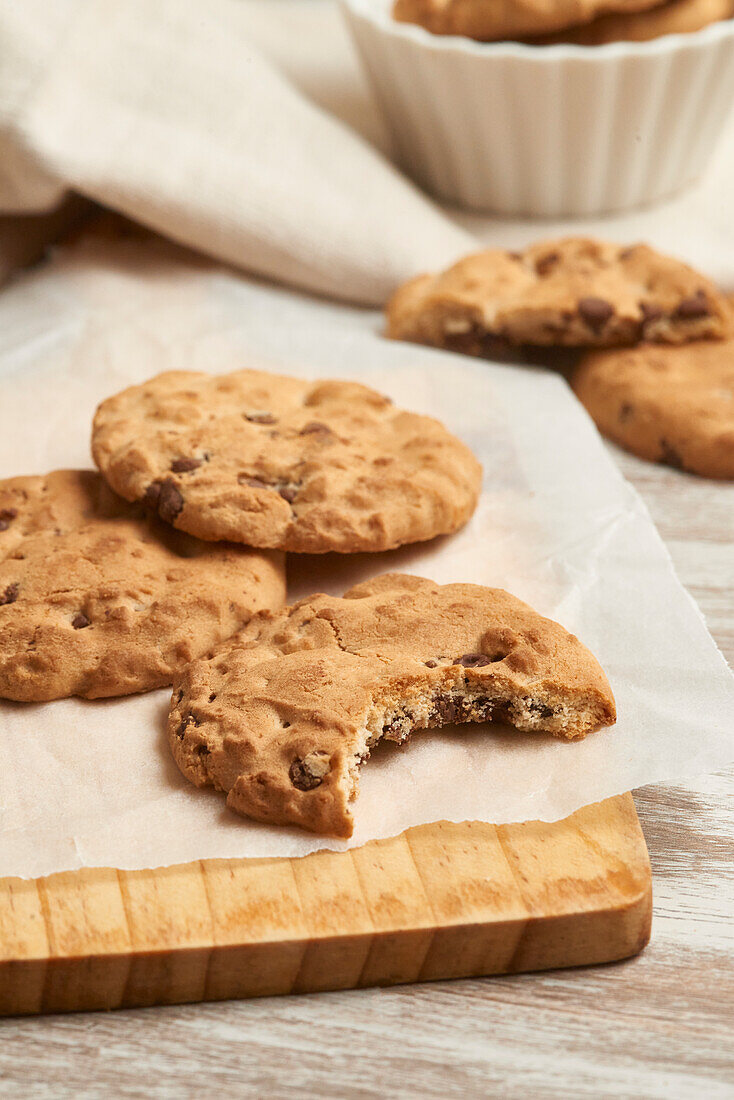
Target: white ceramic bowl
(547, 131)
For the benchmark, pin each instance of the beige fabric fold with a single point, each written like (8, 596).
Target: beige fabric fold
(164, 111)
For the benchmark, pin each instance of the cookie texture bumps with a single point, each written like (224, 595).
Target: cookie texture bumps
(675, 17)
(489, 20)
(566, 293)
(669, 405)
(282, 716)
(279, 462)
(96, 600)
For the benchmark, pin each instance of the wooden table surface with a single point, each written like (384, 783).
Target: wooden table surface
(658, 1026)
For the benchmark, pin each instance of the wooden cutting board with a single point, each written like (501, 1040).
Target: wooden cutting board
(439, 901)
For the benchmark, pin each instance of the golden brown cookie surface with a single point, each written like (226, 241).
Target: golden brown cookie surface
(274, 461)
(96, 600)
(282, 716)
(488, 20)
(574, 292)
(669, 405)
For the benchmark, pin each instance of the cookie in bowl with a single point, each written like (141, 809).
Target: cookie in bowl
(487, 20)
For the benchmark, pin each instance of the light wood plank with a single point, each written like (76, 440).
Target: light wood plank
(442, 900)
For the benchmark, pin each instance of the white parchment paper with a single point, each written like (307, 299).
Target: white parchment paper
(93, 783)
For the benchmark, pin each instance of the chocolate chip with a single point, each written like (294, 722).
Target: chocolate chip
(474, 660)
(10, 595)
(595, 312)
(79, 621)
(202, 750)
(431, 664)
(545, 264)
(288, 494)
(164, 497)
(625, 412)
(253, 482)
(257, 417)
(6, 515)
(400, 724)
(185, 465)
(670, 456)
(542, 710)
(690, 309)
(444, 711)
(4, 524)
(152, 495)
(315, 427)
(308, 773)
(170, 501)
(187, 720)
(481, 709)
(212, 697)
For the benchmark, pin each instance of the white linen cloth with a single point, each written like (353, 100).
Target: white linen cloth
(163, 110)
(245, 129)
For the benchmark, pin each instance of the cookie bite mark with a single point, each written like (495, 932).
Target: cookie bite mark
(292, 708)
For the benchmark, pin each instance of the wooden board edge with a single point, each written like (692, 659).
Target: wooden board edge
(31, 987)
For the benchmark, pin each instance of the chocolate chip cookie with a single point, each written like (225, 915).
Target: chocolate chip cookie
(278, 462)
(96, 600)
(567, 293)
(675, 17)
(669, 405)
(488, 20)
(282, 716)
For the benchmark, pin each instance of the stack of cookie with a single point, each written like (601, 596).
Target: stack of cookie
(168, 568)
(663, 387)
(581, 22)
